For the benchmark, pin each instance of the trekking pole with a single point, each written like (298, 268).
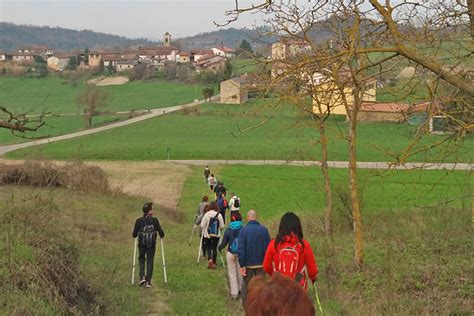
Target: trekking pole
(199, 249)
(192, 233)
(134, 258)
(226, 274)
(317, 298)
(163, 256)
(222, 259)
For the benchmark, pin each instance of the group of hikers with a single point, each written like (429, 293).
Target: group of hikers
(250, 253)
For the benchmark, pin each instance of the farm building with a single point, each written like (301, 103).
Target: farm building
(234, 91)
(58, 62)
(383, 112)
(329, 96)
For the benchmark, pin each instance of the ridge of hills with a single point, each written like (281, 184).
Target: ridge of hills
(13, 36)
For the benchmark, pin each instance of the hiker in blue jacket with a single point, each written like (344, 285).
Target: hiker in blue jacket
(231, 240)
(253, 241)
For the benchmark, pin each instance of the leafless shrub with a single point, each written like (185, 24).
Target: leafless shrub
(78, 176)
(74, 175)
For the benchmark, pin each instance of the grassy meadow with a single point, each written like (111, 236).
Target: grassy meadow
(243, 66)
(59, 230)
(417, 229)
(409, 232)
(55, 95)
(270, 133)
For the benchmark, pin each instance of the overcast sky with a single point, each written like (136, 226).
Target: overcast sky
(141, 18)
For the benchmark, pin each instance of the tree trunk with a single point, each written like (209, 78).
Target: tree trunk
(89, 120)
(331, 266)
(327, 182)
(470, 9)
(353, 186)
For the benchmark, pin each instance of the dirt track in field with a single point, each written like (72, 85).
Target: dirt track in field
(159, 182)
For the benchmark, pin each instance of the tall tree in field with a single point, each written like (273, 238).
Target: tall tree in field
(245, 50)
(355, 42)
(90, 100)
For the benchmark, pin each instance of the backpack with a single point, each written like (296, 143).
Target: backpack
(148, 236)
(212, 181)
(236, 202)
(213, 228)
(224, 203)
(288, 261)
(234, 246)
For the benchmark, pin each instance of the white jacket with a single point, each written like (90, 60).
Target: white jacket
(205, 222)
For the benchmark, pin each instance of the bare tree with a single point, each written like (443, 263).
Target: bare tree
(21, 122)
(90, 100)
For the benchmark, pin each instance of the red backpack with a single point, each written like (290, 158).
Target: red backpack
(288, 258)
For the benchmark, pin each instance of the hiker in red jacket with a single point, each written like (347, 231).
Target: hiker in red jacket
(289, 253)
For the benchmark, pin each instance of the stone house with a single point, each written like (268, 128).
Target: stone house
(125, 65)
(158, 54)
(223, 51)
(289, 48)
(203, 53)
(39, 50)
(23, 58)
(58, 61)
(184, 57)
(95, 58)
(213, 63)
(234, 91)
(6, 56)
(115, 58)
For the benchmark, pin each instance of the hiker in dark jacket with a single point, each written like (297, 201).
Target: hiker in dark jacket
(253, 241)
(207, 173)
(220, 190)
(146, 229)
(231, 240)
(223, 206)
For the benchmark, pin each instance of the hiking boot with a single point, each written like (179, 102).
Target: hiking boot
(210, 264)
(142, 282)
(148, 285)
(213, 266)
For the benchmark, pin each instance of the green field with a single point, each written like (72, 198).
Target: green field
(242, 66)
(56, 126)
(55, 95)
(285, 136)
(404, 197)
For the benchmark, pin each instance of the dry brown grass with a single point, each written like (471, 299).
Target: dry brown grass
(73, 175)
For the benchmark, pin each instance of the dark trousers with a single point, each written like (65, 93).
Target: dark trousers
(210, 244)
(147, 254)
(251, 272)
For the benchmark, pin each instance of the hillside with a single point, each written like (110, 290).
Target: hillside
(231, 37)
(13, 36)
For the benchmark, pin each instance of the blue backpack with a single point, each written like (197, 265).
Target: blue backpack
(213, 228)
(234, 246)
